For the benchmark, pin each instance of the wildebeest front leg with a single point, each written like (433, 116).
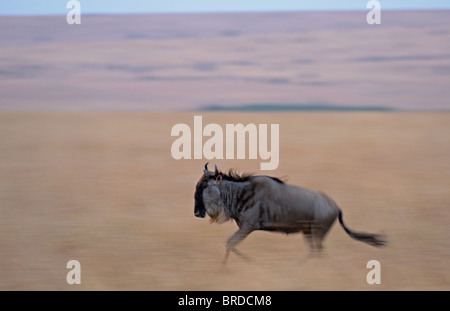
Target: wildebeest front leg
(237, 237)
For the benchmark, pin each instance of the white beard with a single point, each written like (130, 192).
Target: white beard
(214, 206)
(217, 213)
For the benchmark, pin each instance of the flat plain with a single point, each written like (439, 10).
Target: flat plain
(86, 170)
(102, 188)
(191, 61)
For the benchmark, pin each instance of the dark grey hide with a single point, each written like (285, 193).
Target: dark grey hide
(267, 203)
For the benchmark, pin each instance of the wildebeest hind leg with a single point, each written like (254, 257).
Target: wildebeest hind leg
(313, 252)
(237, 237)
(319, 232)
(315, 236)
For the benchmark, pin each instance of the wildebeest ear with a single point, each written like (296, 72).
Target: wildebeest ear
(218, 178)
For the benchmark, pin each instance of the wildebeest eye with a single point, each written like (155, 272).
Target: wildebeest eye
(218, 178)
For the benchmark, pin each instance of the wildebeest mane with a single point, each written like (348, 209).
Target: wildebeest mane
(236, 177)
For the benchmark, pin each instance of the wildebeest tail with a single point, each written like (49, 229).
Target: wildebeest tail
(376, 240)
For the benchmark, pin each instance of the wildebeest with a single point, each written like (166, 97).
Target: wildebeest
(267, 203)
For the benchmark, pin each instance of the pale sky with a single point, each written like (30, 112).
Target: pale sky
(57, 7)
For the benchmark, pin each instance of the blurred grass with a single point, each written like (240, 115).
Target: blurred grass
(102, 188)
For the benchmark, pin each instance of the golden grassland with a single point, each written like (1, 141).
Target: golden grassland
(103, 188)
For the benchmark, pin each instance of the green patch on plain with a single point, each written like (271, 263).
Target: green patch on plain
(294, 107)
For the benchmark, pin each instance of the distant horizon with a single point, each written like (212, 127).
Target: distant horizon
(212, 12)
(312, 60)
(104, 7)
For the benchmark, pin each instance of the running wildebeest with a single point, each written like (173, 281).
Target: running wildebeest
(267, 203)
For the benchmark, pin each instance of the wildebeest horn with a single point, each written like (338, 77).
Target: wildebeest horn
(206, 171)
(216, 171)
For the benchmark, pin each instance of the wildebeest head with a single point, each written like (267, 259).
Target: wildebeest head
(208, 180)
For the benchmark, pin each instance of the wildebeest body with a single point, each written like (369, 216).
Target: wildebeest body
(267, 203)
(295, 208)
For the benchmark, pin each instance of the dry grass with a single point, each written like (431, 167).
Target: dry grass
(102, 188)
